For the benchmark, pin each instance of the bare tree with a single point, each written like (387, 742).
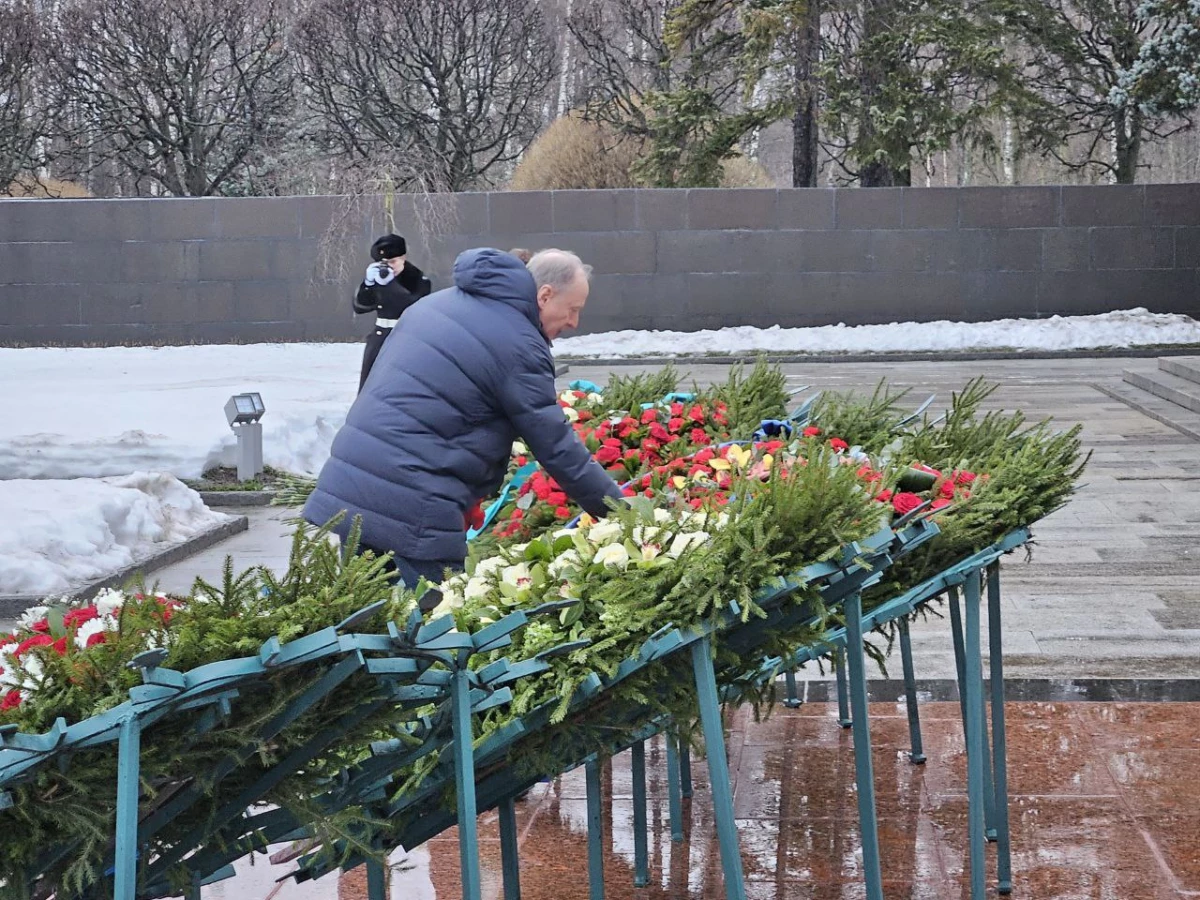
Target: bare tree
(24, 116)
(453, 89)
(190, 98)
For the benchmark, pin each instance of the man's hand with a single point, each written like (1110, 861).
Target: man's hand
(474, 517)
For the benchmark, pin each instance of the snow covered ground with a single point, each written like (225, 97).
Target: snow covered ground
(57, 535)
(1127, 328)
(71, 412)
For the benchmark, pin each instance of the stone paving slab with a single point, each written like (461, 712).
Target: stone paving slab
(1113, 586)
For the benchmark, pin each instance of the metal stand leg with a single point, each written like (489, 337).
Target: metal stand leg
(917, 754)
(685, 769)
(508, 850)
(839, 662)
(959, 663)
(464, 776)
(863, 768)
(595, 812)
(376, 880)
(129, 757)
(793, 698)
(641, 849)
(193, 891)
(999, 738)
(674, 794)
(973, 700)
(718, 769)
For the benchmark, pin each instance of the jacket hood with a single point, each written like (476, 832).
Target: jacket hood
(495, 275)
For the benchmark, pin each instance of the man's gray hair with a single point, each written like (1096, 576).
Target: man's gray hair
(557, 268)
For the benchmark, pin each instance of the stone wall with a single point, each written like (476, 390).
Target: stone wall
(255, 269)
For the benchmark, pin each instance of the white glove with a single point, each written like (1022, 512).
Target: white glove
(378, 273)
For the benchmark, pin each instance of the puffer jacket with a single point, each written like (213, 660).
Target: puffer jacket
(467, 371)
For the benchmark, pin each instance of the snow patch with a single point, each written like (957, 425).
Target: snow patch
(58, 535)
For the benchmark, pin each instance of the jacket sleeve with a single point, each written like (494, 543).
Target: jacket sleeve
(364, 299)
(528, 399)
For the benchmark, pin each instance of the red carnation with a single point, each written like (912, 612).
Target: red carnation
(905, 502)
(101, 636)
(522, 460)
(947, 490)
(77, 617)
(38, 640)
(677, 409)
(964, 477)
(562, 512)
(556, 498)
(699, 436)
(628, 491)
(626, 429)
(811, 431)
(703, 456)
(939, 503)
(772, 446)
(11, 700)
(884, 496)
(584, 415)
(838, 444)
(649, 415)
(696, 414)
(659, 433)
(675, 424)
(649, 445)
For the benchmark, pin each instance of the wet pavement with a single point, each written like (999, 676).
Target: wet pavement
(1105, 805)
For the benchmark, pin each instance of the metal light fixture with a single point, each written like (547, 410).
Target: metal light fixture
(243, 412)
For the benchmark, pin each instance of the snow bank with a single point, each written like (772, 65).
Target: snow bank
(56, 536)
(1127, 328)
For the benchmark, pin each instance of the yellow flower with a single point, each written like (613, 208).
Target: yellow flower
(739, 456)
(680, 482)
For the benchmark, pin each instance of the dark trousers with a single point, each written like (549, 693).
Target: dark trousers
(371, 352)
(409, 571)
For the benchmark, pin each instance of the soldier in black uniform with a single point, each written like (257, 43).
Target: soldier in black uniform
(391, 285)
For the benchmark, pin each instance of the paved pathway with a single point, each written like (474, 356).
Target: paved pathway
(1113, 588)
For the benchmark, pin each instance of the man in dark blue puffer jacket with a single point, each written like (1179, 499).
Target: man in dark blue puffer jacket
(466, 371)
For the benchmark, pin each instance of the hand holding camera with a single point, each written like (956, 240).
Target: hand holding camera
(379, 273)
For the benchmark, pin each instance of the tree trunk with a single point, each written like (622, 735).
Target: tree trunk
(1128, 144)
(876, 173)
(805, 128)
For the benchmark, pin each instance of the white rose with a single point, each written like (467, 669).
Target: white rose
(476, 587)
(444, 608)
(518, 576)
(595, 398)
(603, 532)
(613, 555)
(519, 449)
(643, 535)
(490, 565)
(568, 397)
(571, 414)
(661, 515)
(683, 541)
(561, 562)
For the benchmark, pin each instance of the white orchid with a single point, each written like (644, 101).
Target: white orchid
(651, 551)
(644, 534)
(614, 555)
(518, 576)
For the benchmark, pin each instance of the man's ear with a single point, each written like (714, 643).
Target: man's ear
(543, 294)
